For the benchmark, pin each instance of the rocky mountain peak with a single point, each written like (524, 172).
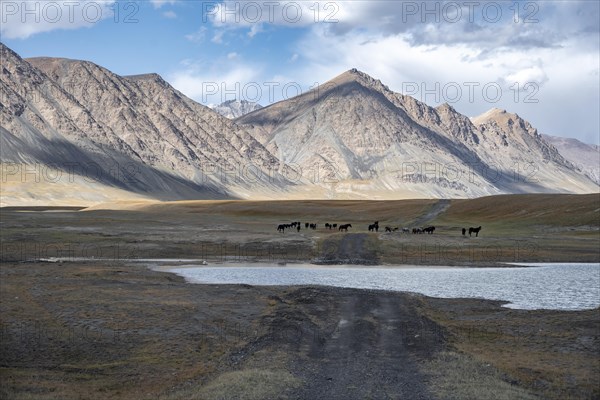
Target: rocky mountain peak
(152, 77)
(236, 108)
(355, 76)
(510, 122)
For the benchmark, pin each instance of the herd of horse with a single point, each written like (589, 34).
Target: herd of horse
(374, 227)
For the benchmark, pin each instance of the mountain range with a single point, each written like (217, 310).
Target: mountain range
(368, 141)
(72, 132)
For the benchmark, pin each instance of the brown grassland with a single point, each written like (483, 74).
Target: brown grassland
(113, 328)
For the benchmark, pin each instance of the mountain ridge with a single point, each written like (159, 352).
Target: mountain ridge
(400, 130)
(60, 111)
(349, 138)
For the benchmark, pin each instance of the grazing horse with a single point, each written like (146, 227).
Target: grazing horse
(327, 225)
(429, 230)
(281, 228)
(306, 225)
(475, 231)
(345, 227)
(298, 227)
(334, 226)
(417, 230)
(396, 229)
(464, 231)
(405, 230)
(313, 226)
(388, 229)
(372, 227)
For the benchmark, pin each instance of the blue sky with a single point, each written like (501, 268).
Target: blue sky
(538, 59)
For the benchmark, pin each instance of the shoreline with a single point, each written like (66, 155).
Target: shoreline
(515, 300)
(184, 263)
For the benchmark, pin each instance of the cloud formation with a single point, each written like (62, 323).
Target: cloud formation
(531, 53)
(22, 19)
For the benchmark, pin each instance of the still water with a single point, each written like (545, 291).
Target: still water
(572, 286)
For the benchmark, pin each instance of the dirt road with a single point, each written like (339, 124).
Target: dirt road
(351, 344)
(437, 209)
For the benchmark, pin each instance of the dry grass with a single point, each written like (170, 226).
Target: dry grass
(246, 384)
(524, 227)
(527, 210)
(553, 353)
(457, 376)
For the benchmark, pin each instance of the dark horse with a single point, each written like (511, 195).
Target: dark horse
(429, 229)
(464, 231)
(281, 228)
(475, 231)
(345, 227)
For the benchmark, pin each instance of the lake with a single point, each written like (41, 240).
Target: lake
(557, 286)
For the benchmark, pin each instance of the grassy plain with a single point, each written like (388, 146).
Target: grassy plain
(112, 328)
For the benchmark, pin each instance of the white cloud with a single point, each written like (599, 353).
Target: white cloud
(230, 15)
(169, 14)
(403, 47)
(535, 75)
(197, 36)
(429, 23)
(218, 37)
(224, 81)
(159, 3)
(254, 30)
(564, 101)
(20, 20)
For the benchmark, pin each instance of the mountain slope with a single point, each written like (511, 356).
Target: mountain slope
(135, 134)
(586, 157)
(369, 141)
(44, 129)
(162, 126)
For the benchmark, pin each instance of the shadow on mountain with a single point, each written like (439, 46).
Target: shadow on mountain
(104, 166)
